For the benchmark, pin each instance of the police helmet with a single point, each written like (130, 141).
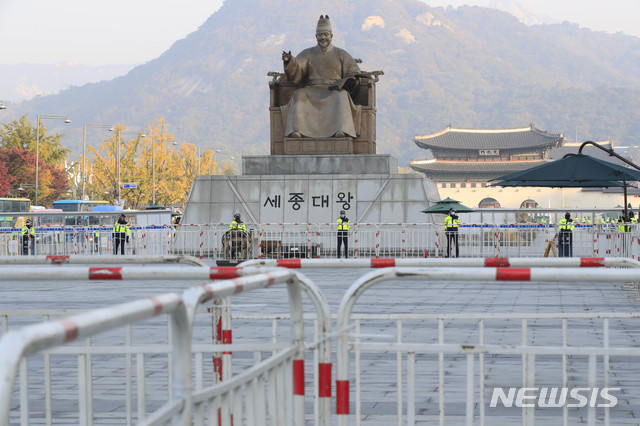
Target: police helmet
(236, 215)
(28, 222)
(452, 210)
(342, 212)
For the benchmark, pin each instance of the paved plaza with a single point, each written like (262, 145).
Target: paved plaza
(379, 379)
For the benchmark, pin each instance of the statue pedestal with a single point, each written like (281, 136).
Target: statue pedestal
(297, 146)
(319, 164)
(313, 146)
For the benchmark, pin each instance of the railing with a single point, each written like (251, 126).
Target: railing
(573, 358)
(278, 379)
(426, 369)
(307, 241)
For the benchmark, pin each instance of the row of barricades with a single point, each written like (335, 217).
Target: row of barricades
(314, 240)
(86, 240)
(272, 391)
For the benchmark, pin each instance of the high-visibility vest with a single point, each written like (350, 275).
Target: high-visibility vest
(26, 231)
(566, 225)
(240, 226)
(622, 227)
(343, 225)
(119, 228)
(450, 223)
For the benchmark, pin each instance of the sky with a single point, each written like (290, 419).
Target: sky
(105, 32)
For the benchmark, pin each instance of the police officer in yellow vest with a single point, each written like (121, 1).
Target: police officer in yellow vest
(625, 221)
(237, 231)
(565, 237)
(451, 225)
(343, 233)
(237, 224)
(28, 238)
(121, 232)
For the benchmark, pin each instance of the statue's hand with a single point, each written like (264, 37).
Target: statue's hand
(286, 57)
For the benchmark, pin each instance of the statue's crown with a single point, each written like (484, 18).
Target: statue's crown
(323, 24)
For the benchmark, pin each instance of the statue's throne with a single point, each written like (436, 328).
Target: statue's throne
(363, 94)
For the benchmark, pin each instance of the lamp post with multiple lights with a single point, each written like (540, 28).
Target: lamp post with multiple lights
(84, 152)
(216, 151)
(40, 118)
(119, 134)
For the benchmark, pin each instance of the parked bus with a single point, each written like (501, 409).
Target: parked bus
(14, 205)
(47, 220)
(98, 219)
(77, 205)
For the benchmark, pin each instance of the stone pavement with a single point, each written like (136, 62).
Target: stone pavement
(379, 378)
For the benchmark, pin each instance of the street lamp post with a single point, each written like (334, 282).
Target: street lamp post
(84, 153)
(153, 168)
(39, 118)
(119, 133)
(215, 150)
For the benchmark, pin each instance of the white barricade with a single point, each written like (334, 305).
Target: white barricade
(424, 358)
(490, 262)
(319, 240)
(273, 388)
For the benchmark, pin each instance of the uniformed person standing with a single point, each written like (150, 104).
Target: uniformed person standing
(28, 238)
(565, 237)
(343, 233)
(451, 225)
(624, 229)
(237, 231)
(121, 233)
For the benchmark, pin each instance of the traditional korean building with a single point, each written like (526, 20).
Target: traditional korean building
(466, 159)
(471, 157)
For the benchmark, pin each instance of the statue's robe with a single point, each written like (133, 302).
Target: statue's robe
(314, 110)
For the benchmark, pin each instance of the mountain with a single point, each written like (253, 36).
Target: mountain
(26, 81)
(522, 12)
(470, 67)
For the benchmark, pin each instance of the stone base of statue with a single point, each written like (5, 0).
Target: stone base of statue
(312, 189)
(312, 146)
(318, 164)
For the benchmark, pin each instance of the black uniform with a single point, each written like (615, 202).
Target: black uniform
(121, 233)
(343, 235)
(28, 239)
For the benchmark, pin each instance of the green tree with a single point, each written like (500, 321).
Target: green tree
(21, 133)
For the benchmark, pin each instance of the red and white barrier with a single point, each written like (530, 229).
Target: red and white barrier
(186, 406)
(430, 275)
(568, 262)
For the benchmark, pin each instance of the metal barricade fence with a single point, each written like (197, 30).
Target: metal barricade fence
(445, 372)
(272, 390)
(319, 240)
(418, 357)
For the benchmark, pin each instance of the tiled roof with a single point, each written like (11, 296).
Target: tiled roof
(526, 137)
(473, 166)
